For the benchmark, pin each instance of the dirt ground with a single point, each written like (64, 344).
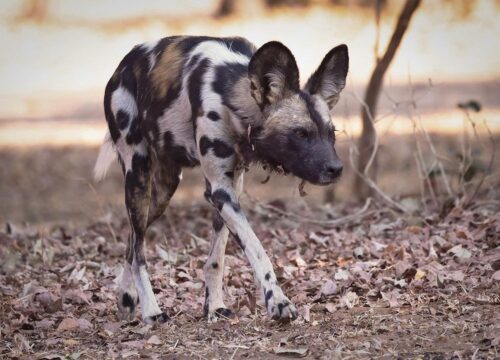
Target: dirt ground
(384, 286)
(424, 285)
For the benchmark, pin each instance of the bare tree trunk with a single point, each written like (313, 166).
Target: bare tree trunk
(366, 142)
(226, 8)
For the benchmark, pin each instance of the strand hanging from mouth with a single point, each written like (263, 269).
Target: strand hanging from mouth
(302, 192)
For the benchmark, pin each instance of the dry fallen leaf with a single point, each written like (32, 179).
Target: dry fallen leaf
(154, 340)
(68, 324)
(293, 352)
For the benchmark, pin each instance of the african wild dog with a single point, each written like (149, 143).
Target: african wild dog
(221, 103)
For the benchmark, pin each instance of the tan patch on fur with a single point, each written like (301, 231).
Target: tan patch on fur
(240, 97)
(166, 72)
(289, 114)
(137, 71)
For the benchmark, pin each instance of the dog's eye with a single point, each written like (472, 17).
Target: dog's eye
(301, 132)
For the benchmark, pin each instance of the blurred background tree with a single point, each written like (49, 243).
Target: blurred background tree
(367, 158)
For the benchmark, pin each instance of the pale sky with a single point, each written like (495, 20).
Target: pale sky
(47, 67)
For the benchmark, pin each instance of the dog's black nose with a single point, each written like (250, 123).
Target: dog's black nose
(334, 171)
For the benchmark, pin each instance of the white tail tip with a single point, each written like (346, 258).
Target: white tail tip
(107, 155)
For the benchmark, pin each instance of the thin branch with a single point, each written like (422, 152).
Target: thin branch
(336, 222)
(374, 186)
(488, 170)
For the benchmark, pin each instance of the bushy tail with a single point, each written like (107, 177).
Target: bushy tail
(107, 155)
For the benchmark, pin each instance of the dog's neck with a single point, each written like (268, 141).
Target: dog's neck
(244, 107)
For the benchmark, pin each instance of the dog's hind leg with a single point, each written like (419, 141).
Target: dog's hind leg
(137, 198)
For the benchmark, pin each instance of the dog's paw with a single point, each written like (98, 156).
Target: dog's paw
(157, 319)
(279, 307)
(127, 303)
(220, 313)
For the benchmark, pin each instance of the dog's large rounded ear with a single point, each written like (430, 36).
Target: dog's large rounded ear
(273, 73)
(329, 79)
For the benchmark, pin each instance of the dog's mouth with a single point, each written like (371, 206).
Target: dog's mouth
(322, 179)
(324, 182)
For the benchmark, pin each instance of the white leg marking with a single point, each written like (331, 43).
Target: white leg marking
(149, 306)
(214, 273)
(277, 304)
(127, 295)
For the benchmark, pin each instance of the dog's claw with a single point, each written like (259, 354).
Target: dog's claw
(220, 313)
(279, 307)
(157, 319)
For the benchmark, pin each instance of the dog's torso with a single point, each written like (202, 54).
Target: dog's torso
(160, 90)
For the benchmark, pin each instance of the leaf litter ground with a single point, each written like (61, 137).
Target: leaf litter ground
(380, 286)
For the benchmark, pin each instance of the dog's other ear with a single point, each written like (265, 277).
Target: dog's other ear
(329, 79)
(273, 73)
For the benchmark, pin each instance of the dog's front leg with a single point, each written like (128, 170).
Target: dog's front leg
(222, 195)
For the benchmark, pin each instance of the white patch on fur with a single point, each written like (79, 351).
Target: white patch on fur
(148, 46)
(126, 286)
(322, 108)
(107, 155)
(147, 300)
(127, 281)
(177, 120)
(218, 53)
(127, 151)
(122, 99)
(152, 61)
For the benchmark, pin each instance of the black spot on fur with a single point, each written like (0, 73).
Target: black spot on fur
(213, 115)
(128, 302)
(178, 153)
(188, 43)
(239, 242)
(215, 265)
(134, 134)
(218, 222)
(194, 89)
(269, 295)
(192, 62)
(268, 276)
(220, 197)
(281, 306)
(229, 174)
(208, 190)
(225, 77)
(219, 147)
(204, 145)
(122, 119)
(128, 79)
